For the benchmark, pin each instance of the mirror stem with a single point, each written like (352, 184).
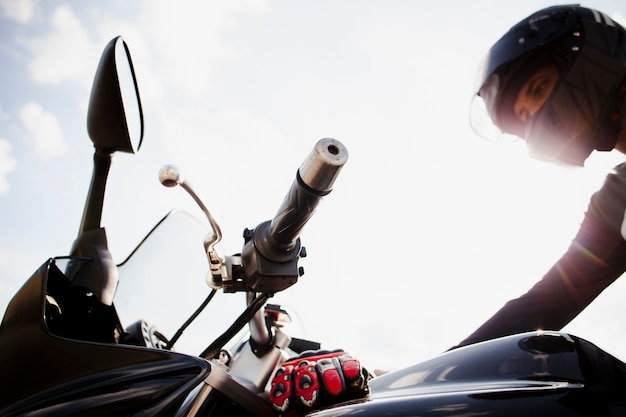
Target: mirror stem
(92, 215)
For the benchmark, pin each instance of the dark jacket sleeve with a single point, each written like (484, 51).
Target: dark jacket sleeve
(596, 258)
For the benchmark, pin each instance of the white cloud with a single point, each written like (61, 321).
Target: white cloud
(44, 130)
(7, 164)
(65, 54)
(21, 11)
(186, 57)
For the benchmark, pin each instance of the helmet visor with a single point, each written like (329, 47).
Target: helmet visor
(483, 125)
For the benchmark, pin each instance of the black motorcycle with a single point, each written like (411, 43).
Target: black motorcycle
(65, 351)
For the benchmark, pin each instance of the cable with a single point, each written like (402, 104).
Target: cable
(195, 314)
(254, 306)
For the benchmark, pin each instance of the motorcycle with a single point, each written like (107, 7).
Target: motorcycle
(64, 349)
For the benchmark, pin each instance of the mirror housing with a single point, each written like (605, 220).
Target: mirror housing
(115, 117)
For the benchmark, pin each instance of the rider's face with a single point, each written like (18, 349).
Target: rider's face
(535, 92)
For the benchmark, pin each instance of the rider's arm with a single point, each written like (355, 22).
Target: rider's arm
(596, 258)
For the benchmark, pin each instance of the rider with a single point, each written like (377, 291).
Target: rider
(557, 79)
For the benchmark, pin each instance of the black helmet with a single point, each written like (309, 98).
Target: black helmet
(589, 51)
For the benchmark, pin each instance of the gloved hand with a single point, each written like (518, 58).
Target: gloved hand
(317, 378)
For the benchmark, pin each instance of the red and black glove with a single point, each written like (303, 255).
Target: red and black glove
(317, 378)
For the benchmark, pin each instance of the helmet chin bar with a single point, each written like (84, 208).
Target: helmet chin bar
(577, 118)
(548, 141)
(569, 140)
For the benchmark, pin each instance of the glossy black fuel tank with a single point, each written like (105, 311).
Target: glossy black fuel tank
(531, 374)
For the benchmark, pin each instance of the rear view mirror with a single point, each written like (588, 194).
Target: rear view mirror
(114, 117)
(114, 123)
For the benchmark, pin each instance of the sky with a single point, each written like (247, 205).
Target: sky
(429, 229)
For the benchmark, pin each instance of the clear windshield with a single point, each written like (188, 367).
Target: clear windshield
(163, 282)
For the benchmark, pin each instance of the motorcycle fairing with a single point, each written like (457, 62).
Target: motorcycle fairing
(78, 376)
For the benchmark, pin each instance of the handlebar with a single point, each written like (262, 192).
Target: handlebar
(271, 250)
(314, 180)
